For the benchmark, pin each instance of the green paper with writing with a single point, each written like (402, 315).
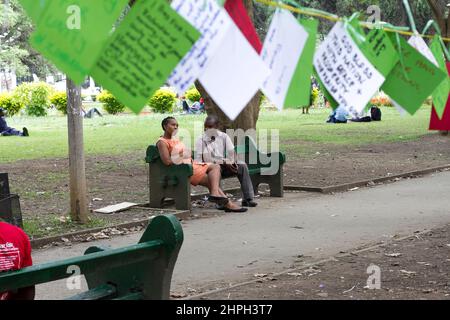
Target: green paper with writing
(440, 95)
(380, 51)
(410, 85)
(72, 33)
(143, 52)
(299, 91)
(34, 8)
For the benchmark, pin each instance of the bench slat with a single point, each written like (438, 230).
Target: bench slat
(131, 296)
(102, 292)
(88, 263)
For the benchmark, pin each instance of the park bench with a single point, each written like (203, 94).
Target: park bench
(173, 181)
(138, 272)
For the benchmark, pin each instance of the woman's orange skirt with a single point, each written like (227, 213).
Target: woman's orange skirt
(199, 172)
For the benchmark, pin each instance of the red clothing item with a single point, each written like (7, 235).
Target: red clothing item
(444, 123)
(238, 13)
(15, 250)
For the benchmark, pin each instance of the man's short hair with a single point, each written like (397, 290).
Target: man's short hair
(213, 119)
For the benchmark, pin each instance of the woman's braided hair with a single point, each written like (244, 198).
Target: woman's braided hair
(166, 121)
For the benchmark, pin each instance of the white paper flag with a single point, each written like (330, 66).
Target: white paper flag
(234, 74)
(420, 45)
(213, 22)
(281, 52)
(345, 72)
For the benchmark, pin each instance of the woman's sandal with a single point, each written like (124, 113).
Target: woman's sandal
(240, 210)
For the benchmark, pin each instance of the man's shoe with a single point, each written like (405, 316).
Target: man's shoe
(249, 203)
(239, 210)
(25, 132)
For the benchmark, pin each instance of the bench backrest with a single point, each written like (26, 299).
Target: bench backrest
(248, 149)
(141, 271)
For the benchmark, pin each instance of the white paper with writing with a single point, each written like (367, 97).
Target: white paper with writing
(420, 45)
(345, 72)
(213, 22)
(235, 73)
(281, 53)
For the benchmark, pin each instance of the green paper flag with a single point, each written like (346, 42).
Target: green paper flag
(143, 52)
(440, 95)
(299, 91)
(410, 84)
(34, 8)
(72, 33)
(380, 51)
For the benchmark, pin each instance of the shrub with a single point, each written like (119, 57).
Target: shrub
(59, 101)
(381, 101)
(193, 94)
(163, 101)
(35, 97)
(11, 105)
(110, 103)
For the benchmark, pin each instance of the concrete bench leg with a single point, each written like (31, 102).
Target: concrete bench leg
(276, 184)
(182, 195)
(156, 196)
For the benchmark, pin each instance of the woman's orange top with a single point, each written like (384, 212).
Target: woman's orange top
(177, 150)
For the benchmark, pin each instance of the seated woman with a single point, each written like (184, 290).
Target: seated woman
(173, 151)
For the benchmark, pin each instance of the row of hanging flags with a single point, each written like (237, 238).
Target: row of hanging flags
(216, 43)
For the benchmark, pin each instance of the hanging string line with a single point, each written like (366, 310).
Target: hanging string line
(332, 17)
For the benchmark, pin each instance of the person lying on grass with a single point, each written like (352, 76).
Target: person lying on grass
(173, 151)
(7, 131)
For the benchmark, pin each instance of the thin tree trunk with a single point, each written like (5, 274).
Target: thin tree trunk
(78, 190)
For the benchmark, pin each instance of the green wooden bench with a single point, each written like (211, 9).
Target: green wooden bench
(138, 272)
(173, 181)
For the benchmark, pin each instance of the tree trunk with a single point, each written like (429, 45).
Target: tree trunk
(439, 7)
(249, 116)
(78, 190)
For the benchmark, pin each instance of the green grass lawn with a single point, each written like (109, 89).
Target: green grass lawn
(129, 133)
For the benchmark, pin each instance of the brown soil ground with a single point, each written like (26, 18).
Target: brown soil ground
(416, 268)
(43, 184)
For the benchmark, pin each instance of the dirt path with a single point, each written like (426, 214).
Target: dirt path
(416, 268)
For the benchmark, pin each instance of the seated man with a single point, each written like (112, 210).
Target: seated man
(339, 115)
(15, 254)
(216, 147)
(7, 131)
